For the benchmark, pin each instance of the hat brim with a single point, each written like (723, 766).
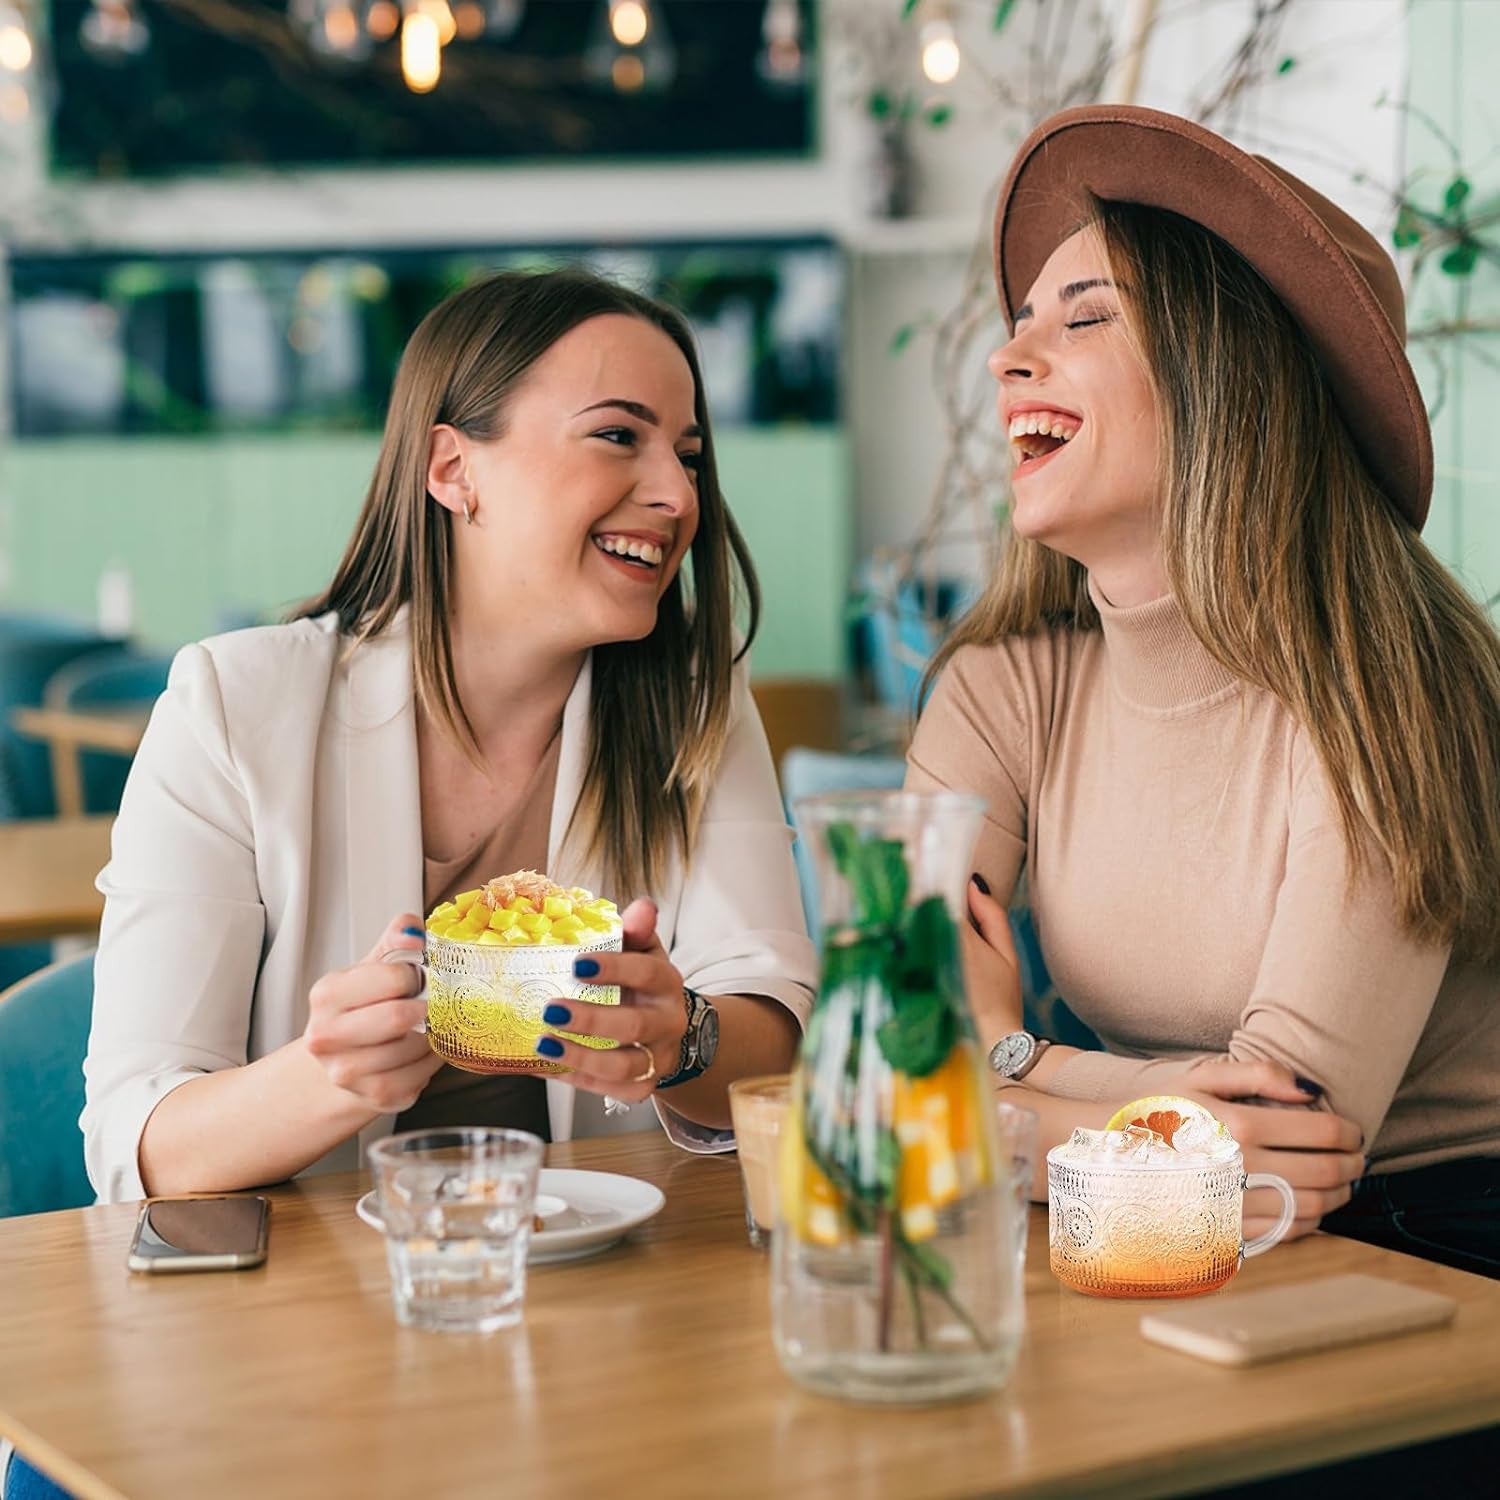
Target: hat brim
(1125, 154)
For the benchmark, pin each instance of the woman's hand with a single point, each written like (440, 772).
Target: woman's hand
(992, 972)
(361, 1020)
(1318, 1152)
(648, 1023)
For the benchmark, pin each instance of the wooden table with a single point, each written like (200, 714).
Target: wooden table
(69, 730)
(47, 870)
(649, 1372)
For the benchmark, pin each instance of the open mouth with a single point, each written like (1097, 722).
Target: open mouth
(644, 558)
(1036, 436)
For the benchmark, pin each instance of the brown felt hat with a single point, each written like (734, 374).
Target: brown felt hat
(1330, 273)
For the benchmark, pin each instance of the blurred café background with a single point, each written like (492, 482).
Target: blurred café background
(220, 220)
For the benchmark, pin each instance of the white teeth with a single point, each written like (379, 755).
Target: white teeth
(1045, 424)
(619, 546)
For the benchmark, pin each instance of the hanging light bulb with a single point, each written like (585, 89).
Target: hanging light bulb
(332, 29)
(630, 21)
(941, 58)
(421, 52)
(114, 30)
(649, 62)
(781, 59)
(468, 20)
(16, 51)
(382, 18)
(442, 17)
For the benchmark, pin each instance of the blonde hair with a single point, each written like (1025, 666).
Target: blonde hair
(660, 706)
(1298, 575)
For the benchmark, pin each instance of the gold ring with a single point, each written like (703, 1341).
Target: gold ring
(650, 1072)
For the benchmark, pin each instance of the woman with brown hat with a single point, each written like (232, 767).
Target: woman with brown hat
(1236, 724)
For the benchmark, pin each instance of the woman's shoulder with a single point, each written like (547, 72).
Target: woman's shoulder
(1015, 674)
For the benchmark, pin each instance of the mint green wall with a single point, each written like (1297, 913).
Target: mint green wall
(1454, 45)
(207, 526)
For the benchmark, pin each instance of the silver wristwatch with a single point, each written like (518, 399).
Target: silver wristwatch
(700, 1042)
(1016, 1054)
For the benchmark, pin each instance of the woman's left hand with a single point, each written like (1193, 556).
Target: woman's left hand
(648, 1023)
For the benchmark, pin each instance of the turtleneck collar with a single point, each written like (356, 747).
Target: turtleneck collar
(1155, 661)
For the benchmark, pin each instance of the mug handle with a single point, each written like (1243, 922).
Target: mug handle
(1263, 1242)
(416, 958)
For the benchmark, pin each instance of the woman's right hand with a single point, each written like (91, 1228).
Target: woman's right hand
(361, 1020)
(1318, 1152)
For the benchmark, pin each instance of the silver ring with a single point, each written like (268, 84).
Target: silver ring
(650, 1072)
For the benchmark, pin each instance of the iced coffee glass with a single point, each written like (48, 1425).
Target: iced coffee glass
(757, 1106)
(1130, 1216)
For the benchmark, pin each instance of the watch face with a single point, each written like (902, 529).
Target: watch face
(1011, 1052)
(708, 1038)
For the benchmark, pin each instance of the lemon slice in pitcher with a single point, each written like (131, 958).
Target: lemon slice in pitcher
(1183, 1124)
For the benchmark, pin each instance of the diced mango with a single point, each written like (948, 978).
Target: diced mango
(568, 930)
(523, 906)
(503, 920)
(516, 937)
(534, 923)
(491, 939)
(444, 911)
(465, 899)
(557, 906)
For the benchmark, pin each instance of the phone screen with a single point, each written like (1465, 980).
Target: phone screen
(174, 1228)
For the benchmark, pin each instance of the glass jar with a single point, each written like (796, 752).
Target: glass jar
(894, 1274)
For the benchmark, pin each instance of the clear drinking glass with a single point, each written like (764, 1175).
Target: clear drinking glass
(894, 1273)
(1019, 1130)
(457, 1210)
(1137, 1220)
(757, 1107)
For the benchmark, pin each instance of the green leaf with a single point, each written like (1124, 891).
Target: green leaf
(888, 1150)
(1286, 65)
(878, 880)
(917, 1039)
(1002, 12)
(843, 844)
(929, 946)
(1461, 259)
(938, 115)
(850, 955)
(879, 104)
(909, 7)
(902, 337)
(1408, 230)
(1455, 193)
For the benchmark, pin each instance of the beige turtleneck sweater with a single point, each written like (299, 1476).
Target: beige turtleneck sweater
(1188, 878)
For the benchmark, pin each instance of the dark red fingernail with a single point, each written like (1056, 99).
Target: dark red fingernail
(981, 882)
(1308, 1086)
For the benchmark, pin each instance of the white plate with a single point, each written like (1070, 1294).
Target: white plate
(582, 1213)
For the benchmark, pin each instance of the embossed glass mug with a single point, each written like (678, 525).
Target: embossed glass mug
(1131, 1217)
(485, 1004)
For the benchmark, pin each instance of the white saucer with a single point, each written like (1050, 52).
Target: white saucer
(583, 1213)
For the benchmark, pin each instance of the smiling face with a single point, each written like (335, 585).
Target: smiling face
(1078, 406)
(586, 505)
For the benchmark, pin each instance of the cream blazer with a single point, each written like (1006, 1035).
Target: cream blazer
(270, 829)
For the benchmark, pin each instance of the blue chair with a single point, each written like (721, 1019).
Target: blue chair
(33, 648)
(806, 773)
(99, 680)
(44, 1032)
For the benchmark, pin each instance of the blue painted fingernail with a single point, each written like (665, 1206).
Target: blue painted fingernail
(549, 1046)
(1307, 1085)
(557, 1015)
(412, 932)
(981, 882)
(584, 968)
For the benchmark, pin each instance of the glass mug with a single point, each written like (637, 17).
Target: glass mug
(485, 1004)
(1122, 1228)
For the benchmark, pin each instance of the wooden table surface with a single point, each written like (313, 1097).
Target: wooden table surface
(649, 1371)
(47, 870)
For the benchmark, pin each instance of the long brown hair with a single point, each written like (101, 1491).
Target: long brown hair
(1298, 575)
(644, 785)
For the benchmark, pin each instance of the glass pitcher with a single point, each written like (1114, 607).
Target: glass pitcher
(894, 1276)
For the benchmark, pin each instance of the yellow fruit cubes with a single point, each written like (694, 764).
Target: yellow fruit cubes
(524, 909)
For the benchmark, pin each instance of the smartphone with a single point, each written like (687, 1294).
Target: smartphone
(1297, 1319)
(200, 1234)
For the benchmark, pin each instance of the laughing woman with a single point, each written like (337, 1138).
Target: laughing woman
(526, 659)
(1231, 716)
